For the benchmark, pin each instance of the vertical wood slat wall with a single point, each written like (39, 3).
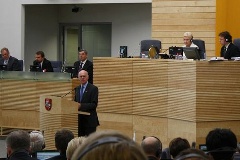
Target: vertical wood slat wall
(171, 18)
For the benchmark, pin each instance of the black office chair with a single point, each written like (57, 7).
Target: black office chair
(20, 62)
(201, 44)
(57, 66)
(146, 44)
(236, 41)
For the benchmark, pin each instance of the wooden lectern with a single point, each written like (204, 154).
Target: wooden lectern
(57, 113)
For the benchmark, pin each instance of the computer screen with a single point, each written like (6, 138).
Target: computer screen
(176, 51)
(45, 154)
(203, 147)
(34, 68)
(191, 53)
(69, 69)
(3, 67)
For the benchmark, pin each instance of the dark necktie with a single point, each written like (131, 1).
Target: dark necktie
(81, 65)
(224, 51)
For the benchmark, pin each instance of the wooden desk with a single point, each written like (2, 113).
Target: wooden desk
(167, 98)
(19, 97)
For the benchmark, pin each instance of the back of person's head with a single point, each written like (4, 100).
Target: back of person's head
(17, 140)
(192, 154)
(152, 146)
(73, 145)
(177, 145)
(165, 154)
(221, 144)
(226, 35)
(62, 137)
(108, 145)
(36, 141)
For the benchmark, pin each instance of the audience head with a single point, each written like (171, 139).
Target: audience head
(165, 154)
(5, 53)
(225, 38)
(39, 57)
(221, 144)
(152, 146)
(192, 154)
(36, 141)
(73, 145)
(177, 145)
(110, 145)
(82, 55)
(187, 38)
(17, 140)
(62, 137)
(83, 76)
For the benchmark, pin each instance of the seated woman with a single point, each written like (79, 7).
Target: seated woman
(188, 41)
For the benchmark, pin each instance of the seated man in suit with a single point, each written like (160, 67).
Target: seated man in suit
(18, 145)
(62, 138)
(83, 64)
(11, 62)
(228, 49)
(44, 64)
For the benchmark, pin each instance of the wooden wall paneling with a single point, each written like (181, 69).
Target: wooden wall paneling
(214, 94)
(150, 87)
(150, 126)
(171, 18)
(114, 121)
(182, 90)
(113, 77)
(204, 127)
(20, 101)
(183, 129)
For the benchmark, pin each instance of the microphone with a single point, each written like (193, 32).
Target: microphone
(193, 145)
(68, 92)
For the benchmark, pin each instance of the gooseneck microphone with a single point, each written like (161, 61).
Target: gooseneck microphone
(68, 92)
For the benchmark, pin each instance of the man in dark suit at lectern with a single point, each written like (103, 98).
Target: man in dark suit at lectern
(83, 64)
(86, 95)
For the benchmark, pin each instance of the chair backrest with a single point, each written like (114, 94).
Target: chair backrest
(57, 66)
(236, 41)
(146, 44)
(20, 62)
(201, 44)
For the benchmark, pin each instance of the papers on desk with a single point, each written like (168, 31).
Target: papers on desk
(235, 58)
(217, 59)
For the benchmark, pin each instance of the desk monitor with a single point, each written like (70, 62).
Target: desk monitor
(45, 154)
(3, 67)
(175, 51)
(34, 68)
(191, 53)
(203, 147)
(69, 69)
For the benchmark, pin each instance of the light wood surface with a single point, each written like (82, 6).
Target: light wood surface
(63, 114)
(167, 98)
(171, 18)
